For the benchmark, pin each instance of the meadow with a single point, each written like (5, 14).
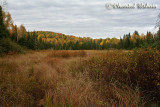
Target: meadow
(80, 78)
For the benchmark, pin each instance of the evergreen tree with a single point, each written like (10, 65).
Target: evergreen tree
(3, 30)
(136, 32)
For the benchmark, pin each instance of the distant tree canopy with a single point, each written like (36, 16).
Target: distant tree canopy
(58, 41)
(41, 40)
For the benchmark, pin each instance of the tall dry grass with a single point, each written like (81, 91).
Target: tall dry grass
(36, 79)
(20, 85)
(67, 53)
(104, 79)
(72, 92)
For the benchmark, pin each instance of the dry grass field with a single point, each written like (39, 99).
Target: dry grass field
(79, 79)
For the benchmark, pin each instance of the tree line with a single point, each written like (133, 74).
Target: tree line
(42, 40)
(49, 40)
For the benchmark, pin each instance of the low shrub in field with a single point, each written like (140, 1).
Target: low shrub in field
(145, 72)
(6, 46)
(139, 68)
(67, 53)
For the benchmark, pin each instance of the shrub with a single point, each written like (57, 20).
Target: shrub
(6, 46)
(145, 71)
(139, 68)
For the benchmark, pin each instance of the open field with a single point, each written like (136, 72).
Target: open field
(80, 78)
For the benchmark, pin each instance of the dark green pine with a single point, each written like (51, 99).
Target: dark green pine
(3, 31)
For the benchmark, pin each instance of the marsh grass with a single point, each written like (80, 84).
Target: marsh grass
(67, 53)
(35, 79)
(68, 79)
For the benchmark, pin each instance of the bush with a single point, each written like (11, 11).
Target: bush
(145, 72)
(139, 68)
(6, 46)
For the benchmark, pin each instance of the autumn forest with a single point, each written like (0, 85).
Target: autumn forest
(41, 40)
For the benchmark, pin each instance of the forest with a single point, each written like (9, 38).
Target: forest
(42, 40)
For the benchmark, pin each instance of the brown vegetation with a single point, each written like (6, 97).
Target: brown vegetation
(103, 78)
(67, 53)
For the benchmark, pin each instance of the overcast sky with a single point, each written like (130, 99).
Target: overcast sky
(82, 18)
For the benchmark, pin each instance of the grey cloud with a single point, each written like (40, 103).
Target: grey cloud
(82, 17)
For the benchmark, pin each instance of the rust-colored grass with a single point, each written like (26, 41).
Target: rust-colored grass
(67, 53)
(75, 78)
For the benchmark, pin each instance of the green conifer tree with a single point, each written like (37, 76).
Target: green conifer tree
(3, 31)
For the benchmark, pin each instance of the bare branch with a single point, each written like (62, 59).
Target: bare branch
(4, 4)
(158, 21)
